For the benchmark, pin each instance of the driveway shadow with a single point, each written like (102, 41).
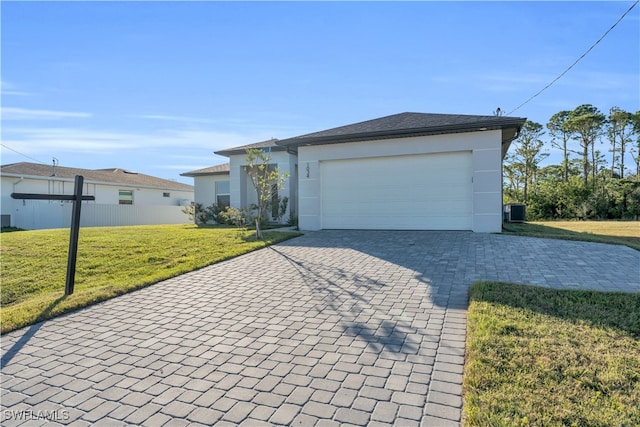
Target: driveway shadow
(449, 262)
(390, 336)
(433, 257)
(380, 333)
(24, 339)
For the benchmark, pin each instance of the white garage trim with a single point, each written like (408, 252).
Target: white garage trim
(414, 192)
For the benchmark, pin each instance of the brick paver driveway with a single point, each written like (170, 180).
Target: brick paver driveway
(334, 327)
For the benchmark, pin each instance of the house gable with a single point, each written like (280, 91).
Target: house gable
(211, 184)
(406, 125)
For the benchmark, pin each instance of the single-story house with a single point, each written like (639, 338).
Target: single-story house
(407, 171)
(122, 197)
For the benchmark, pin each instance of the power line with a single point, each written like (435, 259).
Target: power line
(22, 154)
(577, 60)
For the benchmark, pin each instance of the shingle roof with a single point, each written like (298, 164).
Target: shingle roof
(222, 169)
(110, 176)
(404, 125)
(270, 143)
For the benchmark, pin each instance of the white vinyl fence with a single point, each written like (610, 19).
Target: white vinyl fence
(37, 214)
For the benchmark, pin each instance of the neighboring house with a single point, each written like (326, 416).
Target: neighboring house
(408, 171)
(121, 197)
(211, 185)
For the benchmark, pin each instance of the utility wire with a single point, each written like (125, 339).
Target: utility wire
(577, 60)
(22, 154)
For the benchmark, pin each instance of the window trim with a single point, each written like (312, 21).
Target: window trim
(124, 201)
(222, 193)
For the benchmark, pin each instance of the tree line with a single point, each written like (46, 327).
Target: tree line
(599, 176)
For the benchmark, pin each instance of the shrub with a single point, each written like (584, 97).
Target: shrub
(237, 217)
(214, 213)
(196, 213)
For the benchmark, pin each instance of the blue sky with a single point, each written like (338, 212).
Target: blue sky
(157, 87)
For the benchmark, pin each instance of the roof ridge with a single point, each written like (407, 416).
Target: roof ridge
(404, 124)
(116, 176)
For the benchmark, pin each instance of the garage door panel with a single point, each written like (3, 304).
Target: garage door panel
(402, 192)
(402, 208)
(402, 222)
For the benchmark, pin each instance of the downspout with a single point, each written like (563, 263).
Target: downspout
(14, 188)
(16, 183)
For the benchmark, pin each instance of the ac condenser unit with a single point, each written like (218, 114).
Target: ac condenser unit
(517, 213)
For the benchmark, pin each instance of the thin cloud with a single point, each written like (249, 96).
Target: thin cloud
(254, 120)
(46, 140)
(600, 80)
(7, 89)
(170, 118)
(9, 92)
(186, 168)
(12, 113)
(590, 81)
(510, 82)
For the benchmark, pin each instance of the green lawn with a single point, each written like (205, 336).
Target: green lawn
(537, 356)
(613, 232)
(111, 261)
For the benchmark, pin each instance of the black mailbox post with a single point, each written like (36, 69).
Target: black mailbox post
(77, 199)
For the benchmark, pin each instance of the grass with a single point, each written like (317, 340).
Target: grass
(612, 232)
(537, 356)
(111, 261)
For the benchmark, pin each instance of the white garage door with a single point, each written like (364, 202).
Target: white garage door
(420, 192)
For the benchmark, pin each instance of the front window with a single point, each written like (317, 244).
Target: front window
(223, 198)
(275, 200)
(125, 197)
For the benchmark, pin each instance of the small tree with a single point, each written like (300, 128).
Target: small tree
(527, 157)
(560, 136)
(266, 180)
(619, 131)
(635, 150)
(586, 122)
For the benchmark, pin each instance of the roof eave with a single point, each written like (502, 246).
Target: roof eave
(508, 135)
(293, 143)
(229, 153)
(193, 175)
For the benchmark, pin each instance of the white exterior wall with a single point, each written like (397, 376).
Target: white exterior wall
(205, 188)
(242, 192)
(107, 194)
(486, 164)
(104, 193)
